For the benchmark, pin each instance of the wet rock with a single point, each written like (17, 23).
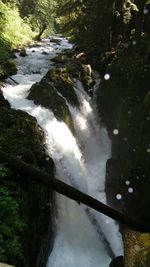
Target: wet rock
(60, 59)
(3, 103)
(45, 94)
(117, 262)
(44, 53)
(60, 79)
(36, 72)
(23, 53)
(20, 135)
(7, 69)
(16, 50)
(55, 40)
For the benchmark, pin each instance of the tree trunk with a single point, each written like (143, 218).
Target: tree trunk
(41, 31)
(30, 173)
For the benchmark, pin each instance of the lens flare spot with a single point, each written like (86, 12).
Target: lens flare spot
(107, 76)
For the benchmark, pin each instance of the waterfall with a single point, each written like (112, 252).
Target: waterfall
(83, 237)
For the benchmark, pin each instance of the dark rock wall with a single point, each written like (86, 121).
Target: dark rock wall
(124, 105)
(21, 136)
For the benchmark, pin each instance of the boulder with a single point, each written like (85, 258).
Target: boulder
(55, 40)
(23, 53)
(44, 53)
(117, 262)
(60, 78)
(45, 94)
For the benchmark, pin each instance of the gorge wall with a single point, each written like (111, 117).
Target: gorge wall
(21, 136)
(124, 106)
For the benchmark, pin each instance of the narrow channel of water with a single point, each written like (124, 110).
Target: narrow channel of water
(83, 236)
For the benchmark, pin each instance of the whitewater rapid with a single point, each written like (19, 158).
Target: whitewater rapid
(83, 236)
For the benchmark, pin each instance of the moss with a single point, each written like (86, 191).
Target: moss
(46, 95)
(137, 249)
(10, 67)
(61, 80)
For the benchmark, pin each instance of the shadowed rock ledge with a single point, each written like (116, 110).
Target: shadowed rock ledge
(21, 136)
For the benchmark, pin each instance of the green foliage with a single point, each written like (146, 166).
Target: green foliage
(100, 26)
(40, 14)
(128, 7)
(13, 29)
(10, 223)
(3, 171)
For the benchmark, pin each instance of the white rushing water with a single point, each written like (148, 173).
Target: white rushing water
(84, 237)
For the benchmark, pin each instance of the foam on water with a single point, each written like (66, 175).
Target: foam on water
(79, 161)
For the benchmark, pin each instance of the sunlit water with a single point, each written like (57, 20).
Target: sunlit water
(83, 237)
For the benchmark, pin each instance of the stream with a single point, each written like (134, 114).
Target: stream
(84, 238)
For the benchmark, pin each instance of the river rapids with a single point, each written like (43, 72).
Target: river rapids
(83, 237)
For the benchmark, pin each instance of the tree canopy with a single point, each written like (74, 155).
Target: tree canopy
(99, 26)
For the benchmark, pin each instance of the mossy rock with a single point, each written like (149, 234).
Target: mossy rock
(61, 58)
(136, 249)
(60, 79)
(21, 136)
(3, 102)
(72, 68)
(45, 94)
(2, 72)
(7, 68)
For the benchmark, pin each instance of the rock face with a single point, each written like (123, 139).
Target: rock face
(58, 86)
(7, 68)
(21, 136)
(45, 94)
(124, 105)
(137, 249)
(117, 262)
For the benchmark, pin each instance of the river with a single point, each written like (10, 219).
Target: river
(83, 237)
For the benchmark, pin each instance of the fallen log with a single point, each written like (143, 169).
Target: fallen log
(13, 80)
(29, 172)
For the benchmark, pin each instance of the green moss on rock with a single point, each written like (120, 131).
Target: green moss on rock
(45, 94)
(137, 249)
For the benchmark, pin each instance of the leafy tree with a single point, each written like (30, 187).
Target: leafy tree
(40, 14)
(101, 26)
